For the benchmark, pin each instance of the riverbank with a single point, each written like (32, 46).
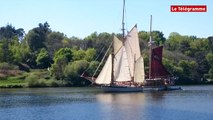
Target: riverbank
(35, 82)
(41, 78)
(34, 78)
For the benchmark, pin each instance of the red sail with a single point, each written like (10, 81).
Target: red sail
(157, 68)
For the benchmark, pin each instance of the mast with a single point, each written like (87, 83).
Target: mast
(123, 24)
(113, 55)
(150, 48)
(123, 36)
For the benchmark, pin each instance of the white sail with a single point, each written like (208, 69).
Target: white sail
(121, 66)
(105, 75)
(117, 44)
(132, 41)
(139, 75)
(132, 48)
(128, 62)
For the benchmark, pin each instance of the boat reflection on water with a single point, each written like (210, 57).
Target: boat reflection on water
(128, 105)
(158, 96)
(121, 105)
(121, 98)
(130, 98)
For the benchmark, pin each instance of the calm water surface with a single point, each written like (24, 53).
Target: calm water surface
(192, 103)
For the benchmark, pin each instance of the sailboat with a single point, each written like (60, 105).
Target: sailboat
(158, 78)
(123, 70)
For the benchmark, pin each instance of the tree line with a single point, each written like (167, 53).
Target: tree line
(187, 57)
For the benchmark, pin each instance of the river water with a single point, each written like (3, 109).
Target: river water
(192, 103)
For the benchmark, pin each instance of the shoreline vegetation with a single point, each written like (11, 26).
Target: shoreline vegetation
(41, 79)
(35, 79)
(46, 58)
(31, 80)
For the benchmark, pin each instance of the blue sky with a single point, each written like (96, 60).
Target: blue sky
(80, 18)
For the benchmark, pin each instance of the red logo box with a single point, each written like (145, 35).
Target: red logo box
(188, 8)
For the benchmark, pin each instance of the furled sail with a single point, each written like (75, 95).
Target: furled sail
(157, 68)
(105, 75)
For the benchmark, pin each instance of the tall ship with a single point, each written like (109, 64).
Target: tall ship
(123, 70)
(158, 78)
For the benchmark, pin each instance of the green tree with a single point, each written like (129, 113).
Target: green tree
(184, 45)
(210, 42)
(43, 59)
(15, 51)
(186, 67)
(169, 65)
(9, 32)
(77, 43)
(79, 55)
(90, 54)
(1, 52)
(157, 36)
(5, 53)
(74, 70)
(54, 42)
(64, 53)
(8, 37)
(62, 57)
(87, 55)
(35, 40)
(143, 39)
(57, 69)
(100, 42)
(92, 68)
(144, 35)
(173, 41)
(37, 37)
(198, 45)
(90, 40)
(189, 71)
(209, 58)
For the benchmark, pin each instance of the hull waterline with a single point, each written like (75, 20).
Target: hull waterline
(161, 88)
(121, 89)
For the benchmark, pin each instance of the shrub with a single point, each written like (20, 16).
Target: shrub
(7, 66)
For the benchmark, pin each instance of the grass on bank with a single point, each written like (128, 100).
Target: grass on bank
(13, 82)
(35, 78)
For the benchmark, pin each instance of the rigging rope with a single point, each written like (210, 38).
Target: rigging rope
(82, 75)
(100, 53)
(95, 60)
(102, 60)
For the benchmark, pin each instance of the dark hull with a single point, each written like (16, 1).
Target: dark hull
(161, 88)
(160, 84)
(121, 89)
